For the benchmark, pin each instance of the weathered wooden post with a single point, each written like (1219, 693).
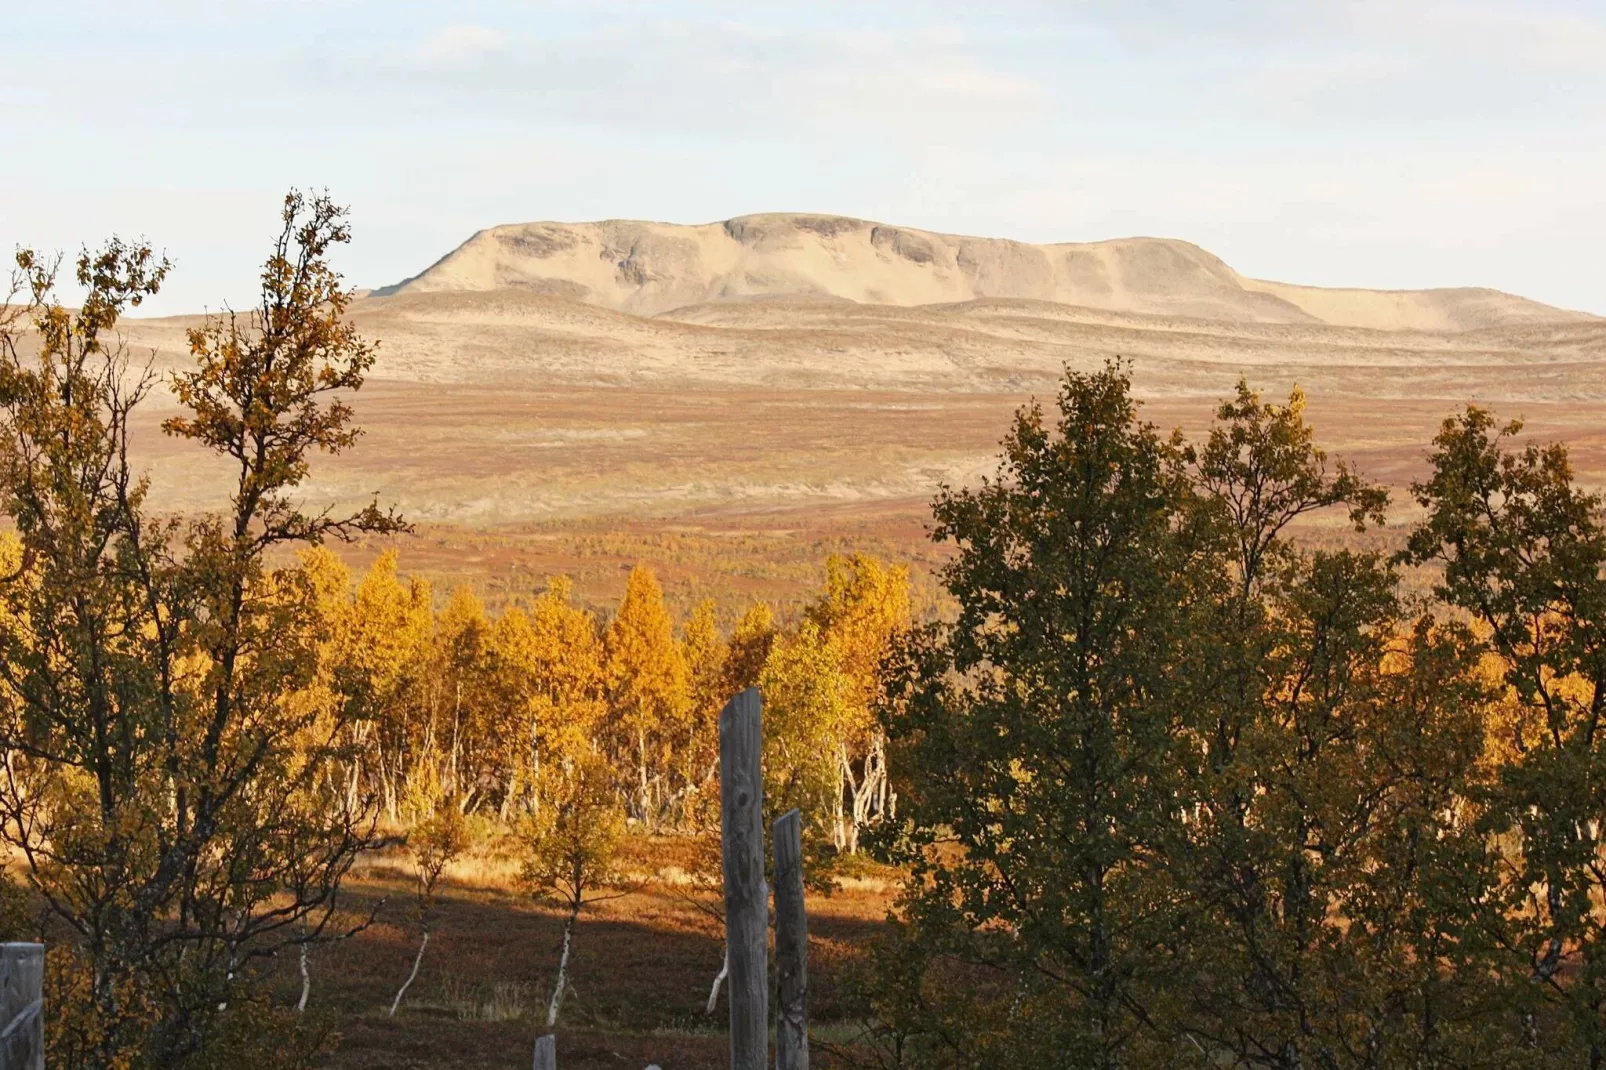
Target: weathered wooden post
(741, 785)
(791, 945)
(22, 1007)
(546, 1053)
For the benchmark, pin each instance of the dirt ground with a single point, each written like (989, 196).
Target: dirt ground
(641, 974)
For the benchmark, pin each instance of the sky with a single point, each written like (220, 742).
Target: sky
(1379, 143)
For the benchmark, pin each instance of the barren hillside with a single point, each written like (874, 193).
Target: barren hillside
(499, 406)
(527, 410)
(651, 268)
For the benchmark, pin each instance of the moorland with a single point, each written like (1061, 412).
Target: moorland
(731, 405)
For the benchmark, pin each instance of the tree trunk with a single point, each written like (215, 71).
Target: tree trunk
(719, 979)
(306, 981)
(510, 789)
(866, 794)
(641, 765)
(457, 720)
(417, 960)
(843, 786)
(556, 1003)
(353, 786)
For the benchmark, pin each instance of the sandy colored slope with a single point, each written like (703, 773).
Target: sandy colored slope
(652, 268)
(1461, 309)
(731, 402)
(514, 338)
(510, 407)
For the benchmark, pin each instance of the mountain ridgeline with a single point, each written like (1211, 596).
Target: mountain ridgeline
(651, 268)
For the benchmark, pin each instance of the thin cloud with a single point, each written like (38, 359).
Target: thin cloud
(1378, 142)
(731, 78)
(1394, 65)
(454, 46)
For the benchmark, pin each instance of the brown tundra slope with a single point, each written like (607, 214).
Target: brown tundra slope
(734, 399)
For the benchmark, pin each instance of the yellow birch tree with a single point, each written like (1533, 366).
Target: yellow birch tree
(648, 690)
(864, 605)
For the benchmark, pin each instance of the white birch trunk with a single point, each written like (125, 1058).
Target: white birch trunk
(719, 979)
(867, 795)
(306, 981)
(417, 960)
(354, 784)
(457, 720)
(556, 1003)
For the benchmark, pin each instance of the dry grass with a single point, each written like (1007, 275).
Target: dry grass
(776, 548)
(787, 421)
(643, 965)
(526, 436)
(732, 448)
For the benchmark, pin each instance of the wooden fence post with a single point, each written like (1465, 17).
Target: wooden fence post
(741, 785)
(546, 1053)
(22, 1003)
(791, 945)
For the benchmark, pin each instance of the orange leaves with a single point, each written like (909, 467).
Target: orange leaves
(648, 691)
(266, 387)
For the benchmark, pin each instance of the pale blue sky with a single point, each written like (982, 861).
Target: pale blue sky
(1380, 143)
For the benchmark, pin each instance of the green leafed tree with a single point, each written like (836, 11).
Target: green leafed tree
(1034, 739)
(1521, 549)
(1179, 791)
(1331, 859)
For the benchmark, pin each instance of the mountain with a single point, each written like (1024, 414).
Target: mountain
(791, 381)
(653, 268)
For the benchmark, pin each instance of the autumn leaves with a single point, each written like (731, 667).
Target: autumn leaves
(482, 705)
(1180, 789)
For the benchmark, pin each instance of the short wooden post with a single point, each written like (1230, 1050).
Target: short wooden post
(22, 1013)
(546, 1053)
(741, 785)
(791, 945)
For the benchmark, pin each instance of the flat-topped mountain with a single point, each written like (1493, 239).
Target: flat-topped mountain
(650, 268)
(806, 374)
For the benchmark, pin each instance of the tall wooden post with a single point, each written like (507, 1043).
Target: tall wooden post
(741, 786)
(22, 1016)
(546, 1053)
(791, 945)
